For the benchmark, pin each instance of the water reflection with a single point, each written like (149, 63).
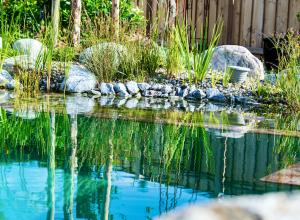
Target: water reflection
(97, 168)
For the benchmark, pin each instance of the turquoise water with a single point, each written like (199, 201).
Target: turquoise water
(134, 165)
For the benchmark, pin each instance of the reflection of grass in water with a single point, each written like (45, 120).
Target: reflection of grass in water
(287, 147)
(174, 145)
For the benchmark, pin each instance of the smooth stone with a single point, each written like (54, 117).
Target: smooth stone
(157, 86)
(30, 47)
(120, 102)
(106, 100)
(107, 89)
(13, 84)
(167, 89)
(121, 90)
(117, 51)
(132, 103)
(215, 95)
(79, 79)
(23, 62)
(271, 206)
(144, 86)
(234, 55)
(182, 92)
(132, 87)
(5, 74)
(196, 94)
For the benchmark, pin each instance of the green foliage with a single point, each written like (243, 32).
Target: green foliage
(32, 14)
(197, 55)
(289, 68)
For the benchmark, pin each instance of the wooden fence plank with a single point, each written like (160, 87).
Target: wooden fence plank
(269, 17)
(257, 23)
(246, 22)
(212, 18)
(223, 14)
(294, 9)
(236, 22)
(282, 16)
(199, 18)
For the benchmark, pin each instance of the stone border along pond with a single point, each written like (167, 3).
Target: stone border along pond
(81, 80)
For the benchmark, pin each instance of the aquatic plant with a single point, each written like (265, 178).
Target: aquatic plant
(289, 62)
(197, 55)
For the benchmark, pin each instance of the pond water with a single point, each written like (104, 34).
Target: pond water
(60, 162)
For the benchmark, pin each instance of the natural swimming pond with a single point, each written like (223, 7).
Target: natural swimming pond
(59, 161)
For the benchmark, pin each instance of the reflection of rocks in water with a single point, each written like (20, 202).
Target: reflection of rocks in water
(106, 100)
(79, 104)
(232, 119)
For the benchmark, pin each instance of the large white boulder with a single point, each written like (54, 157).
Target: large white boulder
(116, 51)
(0, 43)
(79, 79)
(30, 47)
(233, 55)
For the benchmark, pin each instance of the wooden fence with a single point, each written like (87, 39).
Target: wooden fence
(246, 22)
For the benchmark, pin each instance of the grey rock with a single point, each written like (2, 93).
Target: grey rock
(106, 100)
(182, 91)
(196, 94)
(107, 89)
(167, 89)
(5, 74)
(79, 80)
(116, 51)
(132, 103)
(23, 62)
(233, 55)
(215, 95)
(271, 78)
(120, 102)
(30, 47)
(121, 90)
(132, 87)
(144, 86)
(13, 84)
(157, 86)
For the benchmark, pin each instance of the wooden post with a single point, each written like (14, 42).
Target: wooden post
(172, 13)
(55, 19)
(76, 19)
(115, 14)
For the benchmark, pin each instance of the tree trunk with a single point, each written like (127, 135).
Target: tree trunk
(115, 14)
(172, 13)
(76, 19)
(55, 19)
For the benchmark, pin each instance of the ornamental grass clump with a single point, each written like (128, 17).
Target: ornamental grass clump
(197, 53)
(289, 71)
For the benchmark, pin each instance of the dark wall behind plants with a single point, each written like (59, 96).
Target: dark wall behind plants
(31, 14)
